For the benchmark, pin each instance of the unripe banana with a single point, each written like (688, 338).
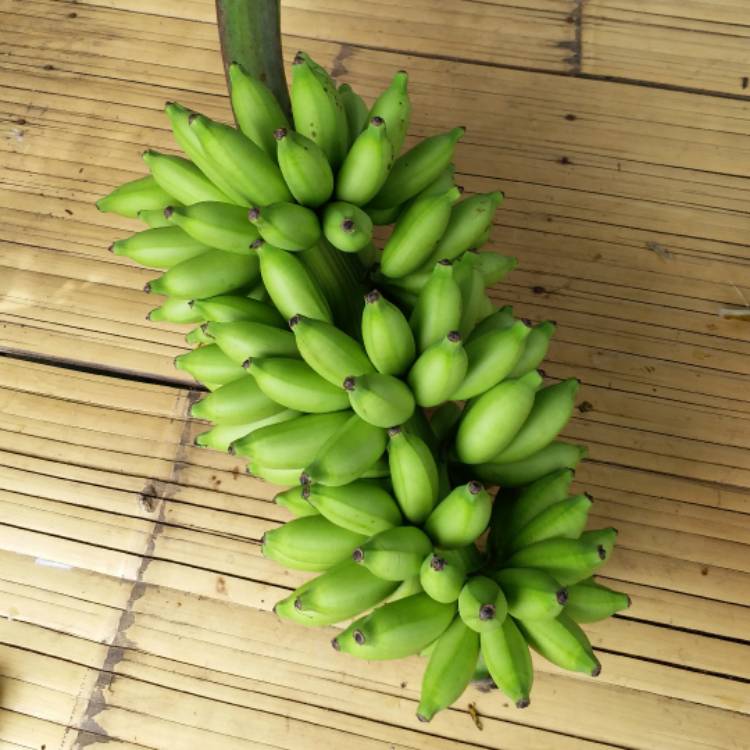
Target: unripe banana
(382, 217)
(414, 474)
(249, 170)
(416, 232)
(531, 593)
(347, 227)
(241, 340)
(317, 108)
(290, 285)
(154, 218)
(209, 364)
(605, 538)
(439, 370)
(397, 629)
(450, 669)
(221, 436)
(130, 198)
(207, 275)
(557, 455)
(362, 506)
(395, 554)
(444, 419)
(228, 308)
(491, 359)
(499, 320)
(219, 225)
(238, 402)
(492, 266)
(305, 168)
(198, 336)
(485, 308)
(442, 576)
(292, 443)
(328, 350)
(566, 560)
(356, 111)
(394, 107)
(288, 226)
(561, 641)
(409, 587)
(295, 502)
(482, 605)
(174, 310)
(381, 400)
(280, 477)
(491, 422)
(460, 517)
(296, 385)
(590, 602)
(347, 454)
(256, 110)
(388, 340)
(508, 661)
(566, 518)
(441, 184)
(182, 179)
(163, 248)
(471, 284)
(535, 350)
(417, 168)
(552, 409)
(438, 308)
(366, 166)
(309, 543)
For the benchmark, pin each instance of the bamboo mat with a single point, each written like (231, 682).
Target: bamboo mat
(136, 608)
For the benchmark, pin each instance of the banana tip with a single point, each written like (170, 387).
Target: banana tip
(437, 563)
(601, 552)
(523, 703)
(422, 718)
(359, 637)
(474, 487)
(253, 214)
(294, 320)
(597, 670)
(350, 383)
(562, 596)
(111, 248)
(279, 134)
(358, 555)
(373, 296)
(246, 364)
(393, 431)
(454, 337)
(336, 645)
(304, 478)
(377, 121)
(168, 211)
(147, 287)
(348, 226)
(487, 612)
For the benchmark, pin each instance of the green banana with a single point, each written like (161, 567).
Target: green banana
(395, 554)
(347, 454)
(416, 232)
(386, 334)
(491, 359)
(442, 576)
(174, 310)
(182, 179)
(154, 218)
(294, 384)
(245, 166)
(310, 543)
(394, 107)
(417, 168)
(256, 110)
(130, 198)
(498, 320)
(238, 402)
(198, 337)
(221, 436)
(491, 422)
(381, 400)
(362, 506)
(535, 350)
(531, 593)
(347, 227)
(280, 477)
(568, 561)
(163, 248)
(444, 419)
(552, 409)
(210, 364)
(222, 226)
(492, 266)
(228, 308)
(317, 108)
(439, 370)
(460, 517)
(292, 443)
(471, 286)
(438, 308)
(441, 184)
(290, 285)
(590, 602)
(406, 588)
(449, 670)
(557, 455)
(288, 226)
(366, 166)
(566, 518)
(508, 661)
(241, 340)
(356, 110)
(305, 168)
(396, 629)
(295, 502)
(482, 605)
(328, 350)
(485, 308)
(604, 538)
(207, 275)
(561, 641)
(413, 472)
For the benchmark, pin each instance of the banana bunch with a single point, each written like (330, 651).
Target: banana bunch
(377, 383)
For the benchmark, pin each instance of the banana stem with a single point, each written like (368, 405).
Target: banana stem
(250, 34)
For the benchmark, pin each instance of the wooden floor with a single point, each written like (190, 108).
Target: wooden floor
(136, 608)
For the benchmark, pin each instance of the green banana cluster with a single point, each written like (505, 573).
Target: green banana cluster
(376, 382)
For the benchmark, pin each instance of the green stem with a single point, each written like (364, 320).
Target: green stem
(250, 34)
